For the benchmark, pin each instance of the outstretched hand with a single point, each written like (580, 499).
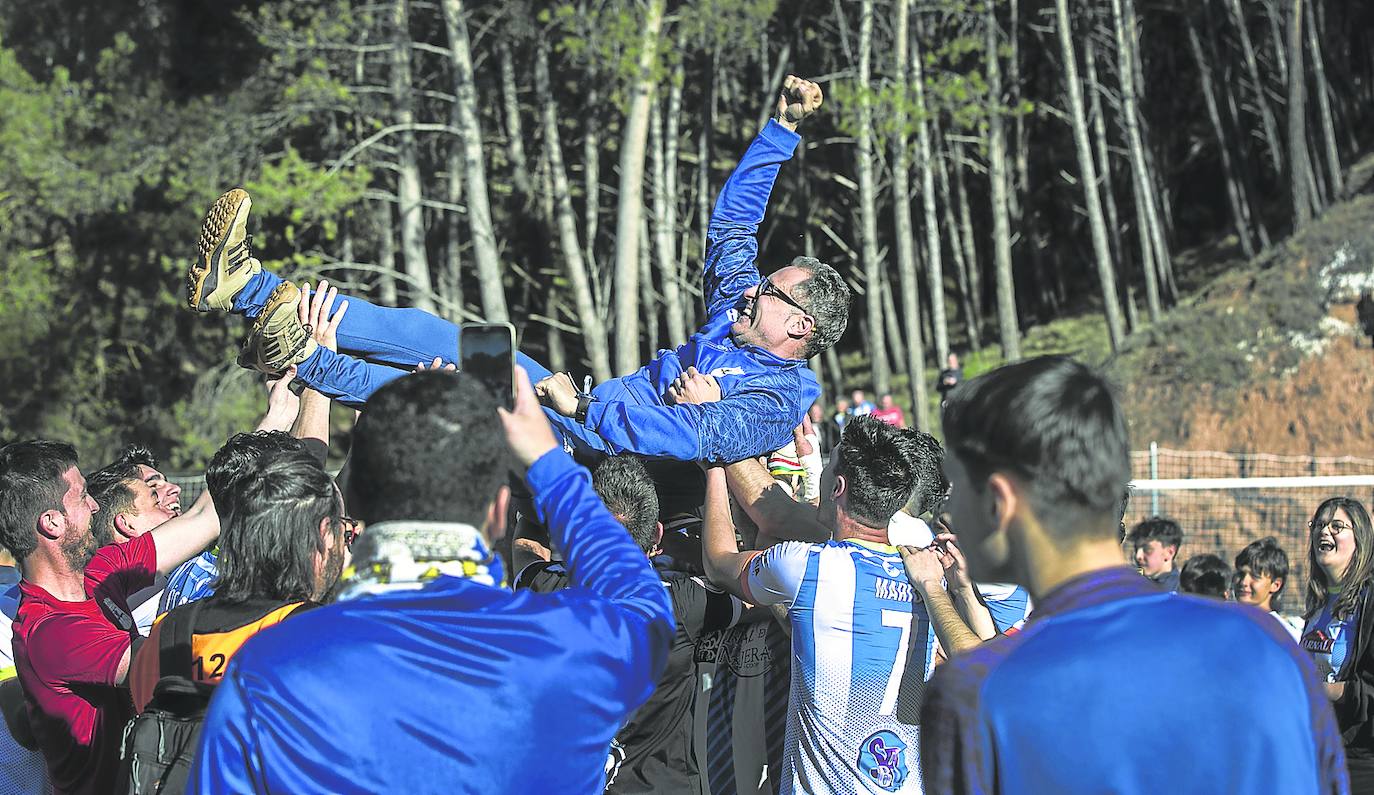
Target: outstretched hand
(317, 313)
(800, 98)
(528, 433)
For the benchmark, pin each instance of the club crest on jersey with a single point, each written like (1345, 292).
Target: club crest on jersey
(882, 759)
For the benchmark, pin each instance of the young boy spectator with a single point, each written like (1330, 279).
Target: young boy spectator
(1156, 541)
(1205, 575)
(1261, 573)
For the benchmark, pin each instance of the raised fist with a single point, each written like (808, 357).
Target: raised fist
(799, 99)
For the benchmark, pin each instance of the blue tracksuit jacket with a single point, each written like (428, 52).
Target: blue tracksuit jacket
(763, 396)
(455, 687)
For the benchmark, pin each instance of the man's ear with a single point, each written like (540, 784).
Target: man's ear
(51, 524)
(122, 525)
(799, 325)
(1276, 585)
(658, 539)
(495, 526)
(841, 487)
(1006, 502)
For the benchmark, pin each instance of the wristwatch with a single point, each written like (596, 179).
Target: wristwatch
(584, 402)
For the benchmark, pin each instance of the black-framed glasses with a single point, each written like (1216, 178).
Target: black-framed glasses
(768, 288)
(350, 530)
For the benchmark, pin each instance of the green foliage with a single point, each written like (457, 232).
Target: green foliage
(306, 194)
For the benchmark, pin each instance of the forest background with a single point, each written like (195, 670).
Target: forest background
(1171, 188)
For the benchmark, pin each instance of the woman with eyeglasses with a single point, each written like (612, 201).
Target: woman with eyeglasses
(1340, 625)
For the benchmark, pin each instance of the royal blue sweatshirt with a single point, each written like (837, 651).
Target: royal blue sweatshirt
(456, 686)
(1115, 686)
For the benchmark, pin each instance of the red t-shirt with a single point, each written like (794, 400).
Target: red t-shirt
(892, 416)
(67, 655)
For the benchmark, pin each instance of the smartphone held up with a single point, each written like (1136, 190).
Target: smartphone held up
(487, 352)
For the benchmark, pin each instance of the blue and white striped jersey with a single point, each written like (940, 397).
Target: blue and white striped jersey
(858, 638)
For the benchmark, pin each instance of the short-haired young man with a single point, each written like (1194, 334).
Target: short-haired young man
(74, 635)
(129, 507)
(441, 678)
(283, 549)
(1038, 455)
(1156, 542)
(1261, 574)
(857, 633)
(657, 741)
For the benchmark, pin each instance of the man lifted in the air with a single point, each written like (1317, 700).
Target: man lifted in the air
(754, 345)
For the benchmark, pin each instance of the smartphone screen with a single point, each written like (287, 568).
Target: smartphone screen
(488, 354)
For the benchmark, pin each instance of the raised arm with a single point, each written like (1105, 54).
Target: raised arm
(600, 556)
(725, 565)
(731, 246)
(316, 312)
(926, 574)
(774, 510)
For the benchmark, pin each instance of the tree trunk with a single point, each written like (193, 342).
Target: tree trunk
(1007, 325)
(1266, 112)
(515, 139)
(1274, 15)
(901, 209)
(1322, 88)
(935, 269)
(410, 206)
(672, 138)
(972, 318)
(386, 254)
(1143, 186)
(588, 316)
(1239, 211)
(558, 355)
(1116, 330)
(648, 304)
(1120, 255)
(453, 258)
(591, 193)
(896, 348)
(1300, 178)
(630, 207)
(665, 231)
(970, 248)
(868, 212)
(480, 227)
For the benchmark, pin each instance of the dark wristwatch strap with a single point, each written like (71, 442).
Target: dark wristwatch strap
(584, 402)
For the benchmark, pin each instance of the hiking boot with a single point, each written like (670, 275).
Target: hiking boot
(278, 339)
(224, 261)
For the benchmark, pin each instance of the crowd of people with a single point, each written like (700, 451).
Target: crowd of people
(899, 616)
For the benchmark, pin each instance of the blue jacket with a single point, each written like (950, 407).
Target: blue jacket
(1115, 686)
(763, 396)
(454, 686)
